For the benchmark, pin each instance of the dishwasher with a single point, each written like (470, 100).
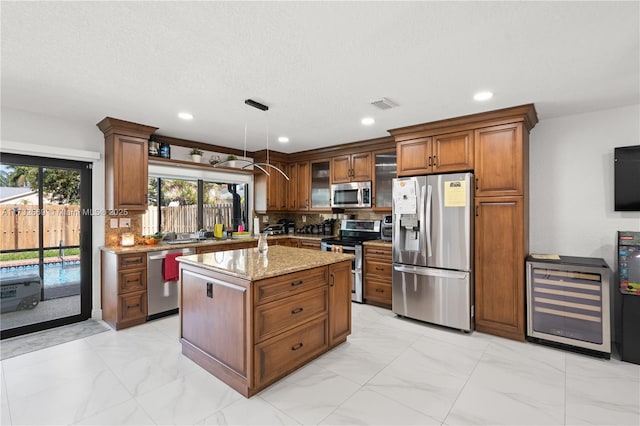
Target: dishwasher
(162, 296)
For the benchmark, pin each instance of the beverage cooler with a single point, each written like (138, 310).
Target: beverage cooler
(629, 288)
(568, 303)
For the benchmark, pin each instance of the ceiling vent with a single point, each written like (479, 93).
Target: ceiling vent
(384, 103)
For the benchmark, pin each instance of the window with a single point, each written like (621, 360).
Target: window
(187, 205)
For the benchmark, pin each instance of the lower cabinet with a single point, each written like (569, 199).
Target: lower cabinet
(251, 333)
(227, 246)
(124, 289)
(377, 275)
(309, 244)
(499, 262)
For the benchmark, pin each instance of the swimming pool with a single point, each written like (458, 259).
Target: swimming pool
(55, 274)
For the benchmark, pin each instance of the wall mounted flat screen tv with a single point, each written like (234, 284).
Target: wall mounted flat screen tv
(627, 178)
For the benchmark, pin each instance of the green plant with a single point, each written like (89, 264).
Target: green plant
(231, 157)
(195, 151)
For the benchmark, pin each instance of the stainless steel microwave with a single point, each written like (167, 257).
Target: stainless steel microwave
(351, 195)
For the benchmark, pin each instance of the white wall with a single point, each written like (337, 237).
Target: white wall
(571, 186)
(19, 127)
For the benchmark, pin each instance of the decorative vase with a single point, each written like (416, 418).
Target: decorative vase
(196, 158)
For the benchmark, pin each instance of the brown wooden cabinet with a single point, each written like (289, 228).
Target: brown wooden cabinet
(340, 285)
(235, 245)
(126, 156)
(500, 244)
(377, 275)
(351, 168)
(309, 244)
(495, 145)
(451, 152)
(124, 289)
(499, 152)
(303, 186)
(250, 334)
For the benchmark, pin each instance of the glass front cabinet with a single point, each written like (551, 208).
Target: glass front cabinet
(385, 164)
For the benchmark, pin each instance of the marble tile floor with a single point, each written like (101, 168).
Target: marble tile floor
(391, 371)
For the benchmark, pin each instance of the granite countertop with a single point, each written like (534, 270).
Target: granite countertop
(378, 243)
(250, 265)
(203, 243)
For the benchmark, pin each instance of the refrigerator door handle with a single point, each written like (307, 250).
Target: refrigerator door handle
(443, 273)
(427, 223)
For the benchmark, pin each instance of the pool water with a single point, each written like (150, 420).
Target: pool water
(55, 274)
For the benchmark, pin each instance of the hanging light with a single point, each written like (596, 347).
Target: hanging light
(260, 166)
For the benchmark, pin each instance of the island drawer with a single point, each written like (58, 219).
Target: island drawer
(274, 317)
(278, 356)
(271, 289)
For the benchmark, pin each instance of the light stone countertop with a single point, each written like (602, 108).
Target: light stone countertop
(203, 243)
(378, 243)
(250, 265)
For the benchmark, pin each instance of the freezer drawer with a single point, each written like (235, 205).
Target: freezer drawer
(433, 295)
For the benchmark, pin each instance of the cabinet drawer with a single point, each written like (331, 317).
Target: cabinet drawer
(132, 280)
(133, 260)
(280, 315)
(378, 268)
(309, 244)
(284, 353)
(377, 291)
(274, 288)
(381, 252)
(133, 306)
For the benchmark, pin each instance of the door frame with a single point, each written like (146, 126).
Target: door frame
(86, 244)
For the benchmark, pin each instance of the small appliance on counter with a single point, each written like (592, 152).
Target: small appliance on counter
(277, 229)
(386, 228)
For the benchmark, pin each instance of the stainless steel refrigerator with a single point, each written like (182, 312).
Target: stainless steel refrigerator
(433, 249)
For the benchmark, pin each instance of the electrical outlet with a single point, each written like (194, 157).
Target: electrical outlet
(304, 219)
(113, 223)
(265, 219)
(125, 223)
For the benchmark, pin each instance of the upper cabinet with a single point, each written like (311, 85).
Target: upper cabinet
(320, 185)
(499, 160)
(126, 157)
(300, 186)
(351, 168)
(385, 165)
(444, 153)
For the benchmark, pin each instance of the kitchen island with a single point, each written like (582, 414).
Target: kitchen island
(251, 319)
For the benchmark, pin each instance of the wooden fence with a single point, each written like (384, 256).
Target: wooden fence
(185, 218)
(19, 226)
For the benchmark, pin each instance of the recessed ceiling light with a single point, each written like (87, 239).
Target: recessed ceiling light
(368, 121)
(483, 96)
(283, 139)
(185, 115)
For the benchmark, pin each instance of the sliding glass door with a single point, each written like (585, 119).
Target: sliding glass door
(45, 243)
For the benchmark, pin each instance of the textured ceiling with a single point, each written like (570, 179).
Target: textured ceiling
(318, 65)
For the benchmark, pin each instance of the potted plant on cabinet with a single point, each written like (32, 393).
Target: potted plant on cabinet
(196, 155)
(231, 161)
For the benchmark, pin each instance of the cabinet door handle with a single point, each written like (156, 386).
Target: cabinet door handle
(133, 306)
(210, 290)
(296, 283)
(435, 161)
(332, 280)
(379, 269)
(429, 161)
(296, 347)
(477, 211)
(379, 290)
(477, 179)
(296, 311)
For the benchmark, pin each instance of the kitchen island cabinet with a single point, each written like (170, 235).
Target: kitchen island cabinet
(251, 319)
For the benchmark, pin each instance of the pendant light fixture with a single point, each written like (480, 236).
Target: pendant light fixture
(260, 166)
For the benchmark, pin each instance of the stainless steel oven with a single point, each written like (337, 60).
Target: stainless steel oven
(356, 264)
(352, 233)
